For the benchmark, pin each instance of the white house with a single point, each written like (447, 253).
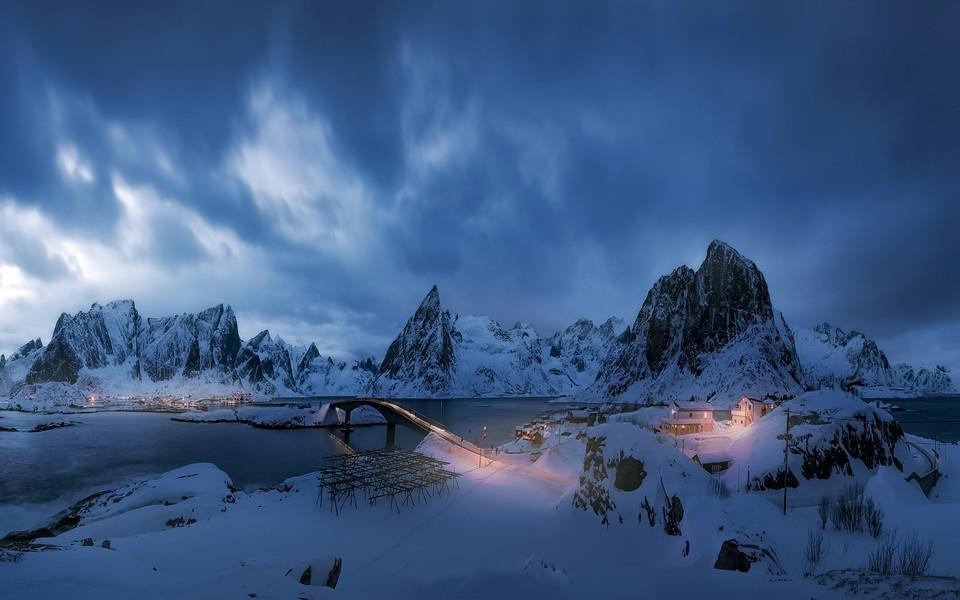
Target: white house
(685, 418)
(749, 410)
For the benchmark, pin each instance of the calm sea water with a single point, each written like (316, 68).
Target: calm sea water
(107, 448)
(935, 417)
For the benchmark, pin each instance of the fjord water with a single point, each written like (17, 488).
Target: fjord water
(108, 448)
(933, 417)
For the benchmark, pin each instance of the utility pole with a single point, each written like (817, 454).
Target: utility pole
(786, 444)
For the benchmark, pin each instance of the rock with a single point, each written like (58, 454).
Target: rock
(87, 542)
(741, 554)
(672, 515)
(592, 492)
(630, 474)
(324, 571)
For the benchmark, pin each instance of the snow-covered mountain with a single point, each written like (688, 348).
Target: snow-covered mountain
(110, 349)
(265, 363)
(834, 358)
(572, 357)
(323, 376)
(437, 355)
(708, 334)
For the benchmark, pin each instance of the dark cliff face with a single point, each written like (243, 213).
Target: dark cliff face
(424, 350)
(689, 315)
(57, 363)
(102, 336)
(731, 294)
(663, 317)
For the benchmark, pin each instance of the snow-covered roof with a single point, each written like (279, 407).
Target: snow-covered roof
(706, 458)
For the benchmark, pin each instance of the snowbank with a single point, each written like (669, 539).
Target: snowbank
(834, 435)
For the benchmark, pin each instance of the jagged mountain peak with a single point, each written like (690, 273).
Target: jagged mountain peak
(26, 349)
(261, 338)
(431, 301)
(718, 249)
(424, 350)
(123, 303)
(682, 341)
(311, 354)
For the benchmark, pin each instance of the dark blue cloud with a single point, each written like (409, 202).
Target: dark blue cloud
(538, 161)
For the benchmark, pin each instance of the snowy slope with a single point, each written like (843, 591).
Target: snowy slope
(836, 436)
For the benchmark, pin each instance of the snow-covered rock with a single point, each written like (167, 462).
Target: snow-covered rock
(710, 334)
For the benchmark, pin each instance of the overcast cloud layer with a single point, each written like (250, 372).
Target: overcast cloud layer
(319, 166)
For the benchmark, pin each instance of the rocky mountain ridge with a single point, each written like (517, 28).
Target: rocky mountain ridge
(836, 358)
(710, 334)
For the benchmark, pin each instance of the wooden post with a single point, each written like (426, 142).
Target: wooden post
(391, 435)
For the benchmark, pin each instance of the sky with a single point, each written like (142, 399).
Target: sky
(319, 165)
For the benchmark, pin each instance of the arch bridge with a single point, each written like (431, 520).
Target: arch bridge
(395, 414)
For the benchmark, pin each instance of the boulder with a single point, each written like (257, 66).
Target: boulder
(630, 474)
(740, 554)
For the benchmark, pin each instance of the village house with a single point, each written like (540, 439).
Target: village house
(686, 418)
(749, 410)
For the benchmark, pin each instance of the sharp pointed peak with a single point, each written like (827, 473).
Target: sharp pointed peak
(721, 248)
(432, 299)
(263, 336)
